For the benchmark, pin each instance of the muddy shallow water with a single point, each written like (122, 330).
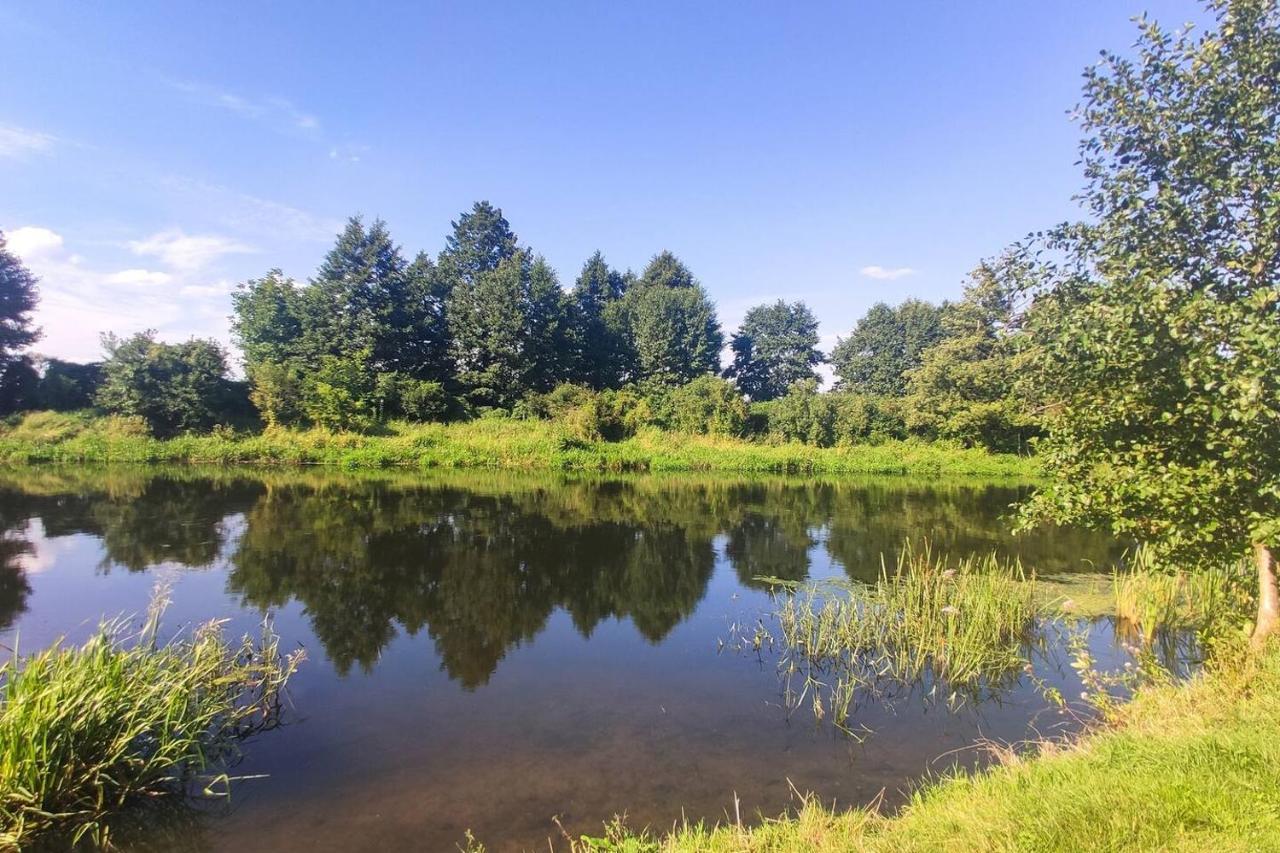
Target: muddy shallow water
(498, 652)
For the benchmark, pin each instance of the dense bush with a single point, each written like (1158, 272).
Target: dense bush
(67, 386)
(173, 387)
(706, 406)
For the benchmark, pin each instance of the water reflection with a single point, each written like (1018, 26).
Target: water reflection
(480, 562)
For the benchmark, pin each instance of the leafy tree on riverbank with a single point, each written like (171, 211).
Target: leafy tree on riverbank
(886, 344)
(173, 387)
(965, 387)
(18, 298)
(1159, 329)
(775, 347)
(672, 331)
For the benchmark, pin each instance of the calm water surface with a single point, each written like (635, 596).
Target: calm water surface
(493, 651)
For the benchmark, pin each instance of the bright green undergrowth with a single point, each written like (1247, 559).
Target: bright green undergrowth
(484, 443)
(1189, 766)
(127, 717)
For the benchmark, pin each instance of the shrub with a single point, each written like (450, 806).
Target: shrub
(343, 394)
(423, 400)
(276, 392)
(803, 415)
(707, 405)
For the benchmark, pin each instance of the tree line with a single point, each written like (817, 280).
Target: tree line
(486, 325)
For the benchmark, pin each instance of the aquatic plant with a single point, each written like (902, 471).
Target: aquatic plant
(126, 717)
(954, 628)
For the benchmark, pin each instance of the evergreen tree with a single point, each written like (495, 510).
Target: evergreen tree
(481, 240)
(18, 299)
(358, 299)
(670, 325)
(775, 347)
(510, 332)
(600, 360)
(885, 345)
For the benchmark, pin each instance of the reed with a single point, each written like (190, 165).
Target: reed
(87, 731)
(953, 628)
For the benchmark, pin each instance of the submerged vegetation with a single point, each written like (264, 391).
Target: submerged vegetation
(125, 718)
(960, 626)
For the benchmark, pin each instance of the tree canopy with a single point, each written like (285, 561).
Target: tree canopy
(1158, 318)
(775, 347)
(885, 345)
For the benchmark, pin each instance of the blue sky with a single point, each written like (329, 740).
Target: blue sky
(153, 155)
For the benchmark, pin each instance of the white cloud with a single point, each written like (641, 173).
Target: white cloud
(79, 300)
(185, 252)
(886, 273)
(280, 112)
(18, 142)
(32, 241)
(138, 277)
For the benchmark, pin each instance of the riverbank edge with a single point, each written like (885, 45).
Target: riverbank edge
(492, 443)
(1190, 766)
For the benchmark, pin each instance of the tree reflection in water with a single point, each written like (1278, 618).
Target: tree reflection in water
(481, 561)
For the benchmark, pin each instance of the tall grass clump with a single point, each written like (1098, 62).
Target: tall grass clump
(88, 731)
(958, 627)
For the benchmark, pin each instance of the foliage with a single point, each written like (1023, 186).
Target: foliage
(826, 420)
(481, 241)
(511, 332)
(669, 324)
(66, 386)
(344, 393)
(266, 322)
(776, 347)
(1159, 322)
(707, 405)
(87, 731)
(966, 386)
(603, 348)
(885, 345)
(173, 387)
(277, 392)
(18, 298)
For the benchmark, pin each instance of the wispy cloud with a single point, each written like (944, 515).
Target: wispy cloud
(16, 142)
(250, 214)
(187, 252)
(280, 112)
(886, 273)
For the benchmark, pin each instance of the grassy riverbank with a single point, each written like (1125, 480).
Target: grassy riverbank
(1194, 766)
(40, 437)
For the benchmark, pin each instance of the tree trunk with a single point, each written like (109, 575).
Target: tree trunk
(1268, 596)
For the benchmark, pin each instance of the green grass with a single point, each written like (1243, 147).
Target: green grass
(963, 626)
(124, 719)
(1192, 766)
(42, 437)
